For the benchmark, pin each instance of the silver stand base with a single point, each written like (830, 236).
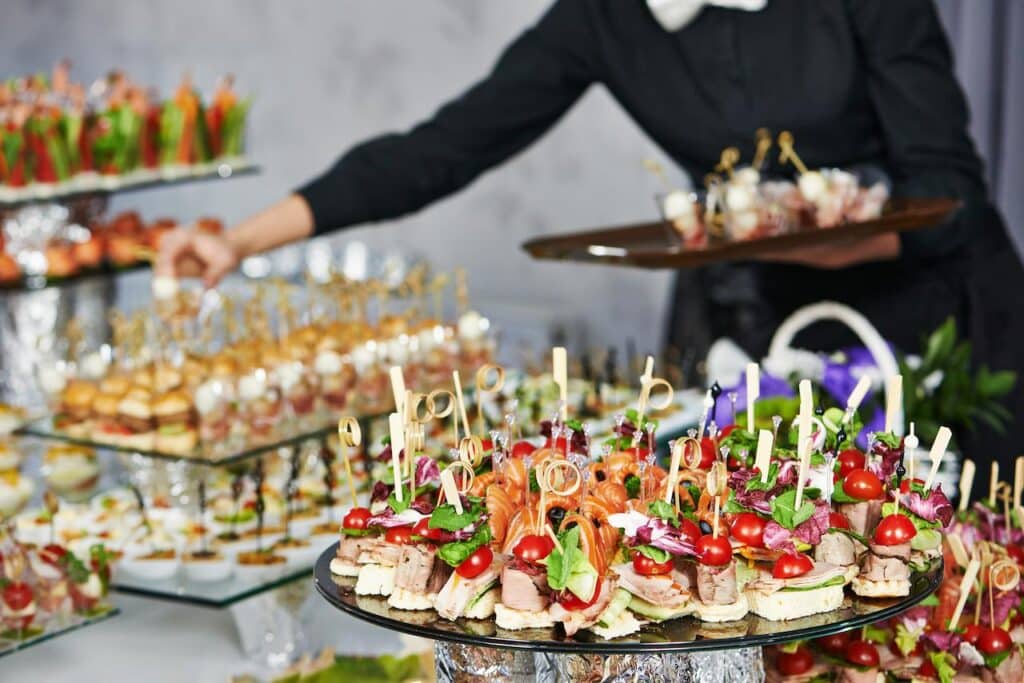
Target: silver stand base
(456, 663)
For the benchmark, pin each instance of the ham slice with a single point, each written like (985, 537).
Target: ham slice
(380, 552)
(575, 620)
(863, 516)
(350, 547)
(823, 571)
(884, 569)
(520, 591)
(439, 575)
(664, 591)
(850, 675)
(457, 592)
(415, 565)
(901, 551)
(1011, 670)
(836, 549)
(717, 585)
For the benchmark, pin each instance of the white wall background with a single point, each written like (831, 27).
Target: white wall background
(327, 73)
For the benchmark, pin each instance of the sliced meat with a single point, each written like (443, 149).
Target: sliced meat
(837, 549)
(664, 591)
(901, 551)
(575, 620)
(350, 547)
(717, 585)
(1010, 670)
(850, 675)
(863, 516)
(520, 591)
(439, 574)
(415, 565)
(685, 574)
(884, 568)
(457, 592)
(381, 552)
(822, 572)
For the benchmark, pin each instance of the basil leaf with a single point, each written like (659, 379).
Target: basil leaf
(632, 485)
(559, 563)
(656, 554)
(456, 553)
(445, 517)
(784, 510)
(663, 510)
(398, 506)
(755, 483)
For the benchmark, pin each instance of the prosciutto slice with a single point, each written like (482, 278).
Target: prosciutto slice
(664, 590)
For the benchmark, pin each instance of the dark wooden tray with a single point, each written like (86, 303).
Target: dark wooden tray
(656, 245)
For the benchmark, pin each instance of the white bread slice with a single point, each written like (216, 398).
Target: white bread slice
(341, 568)
(784, 605)
(720, 613)
(375, 580)
(881, 589)
(622, 625)
(401, 598)
(483, 608)
(517, 619)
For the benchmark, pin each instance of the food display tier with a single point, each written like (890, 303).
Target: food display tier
(216, 594)
(95, 184)
(217, 454)
(678, 635)
(102, 272)
(657, 245)
(10, 643)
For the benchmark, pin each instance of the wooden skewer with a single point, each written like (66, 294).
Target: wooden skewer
(763, 459)
(1018, 479)
(763, 136)
(483, 386)
(803, 437)
(787, 152)
(461, 404)
(959, 551)
(893, 400)
(678, 448)
(966, 584)
(397, 430)
(856, 398)
(560, 373)
(910, 444)
(937, 453)
(993, 484)
(966, 482)
(451, 492)
(554, 538)
(398, 389)
(349, 435)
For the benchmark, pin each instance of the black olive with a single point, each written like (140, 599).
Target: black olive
(705, 528)
(600, 475)
(555, 516)
(597, 524)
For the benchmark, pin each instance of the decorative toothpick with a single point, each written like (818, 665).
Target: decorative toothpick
(396, 426)
(460, 403)
(559, 372)
(398, 389)
(763, 459)
(893, 400)
(936, 455)
(966, 584)
(451, 492)
(993, 484)
(966, 483)
(350, 435)
(856, 398)
(753, 393)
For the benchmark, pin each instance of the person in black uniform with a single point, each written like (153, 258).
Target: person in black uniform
(866, 84)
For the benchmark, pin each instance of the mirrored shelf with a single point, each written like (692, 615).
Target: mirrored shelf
(96, 184)
(677, 635)
(11, 642)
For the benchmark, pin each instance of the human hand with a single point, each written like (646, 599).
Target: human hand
(186, 252)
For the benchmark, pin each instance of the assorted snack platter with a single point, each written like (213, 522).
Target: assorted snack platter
(781, 525)
(60, 137)
(742, 216)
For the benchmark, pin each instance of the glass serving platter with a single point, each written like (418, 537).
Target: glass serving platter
(142, 179)
(215, 594)
(677, 635)
(287, 433)
(11, 643)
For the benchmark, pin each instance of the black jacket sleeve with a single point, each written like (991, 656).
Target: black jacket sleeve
(539, 76)
(922, 113)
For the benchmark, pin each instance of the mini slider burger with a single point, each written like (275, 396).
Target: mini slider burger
(175, 421)
(75, 411)
(135, 413)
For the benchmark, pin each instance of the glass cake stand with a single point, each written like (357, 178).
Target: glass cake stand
(684, 649)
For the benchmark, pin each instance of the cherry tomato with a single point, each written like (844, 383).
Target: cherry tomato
(18, 595)
(748, 528)
(52, 554)
(973, 632)
(794, 663)
(475, 564)
(732, 463)
(487, 444)
(571, 602)
(423, 530)
(714, 552)
(837, 520)
(533, 548)
(356, 518)
(521, 449)
(792, 565)
(905, 484)
(862, 485)
(895, 530)
(708, 453)
(849, 460)
(689, 530)
(992, 641)
(861, 653)
(1016, 553)
(834, 644)
(927, 670)
(645, 566)
(399, 535)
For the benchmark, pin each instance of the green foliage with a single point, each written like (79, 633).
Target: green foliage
(963, 399)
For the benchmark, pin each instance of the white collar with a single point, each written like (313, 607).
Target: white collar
(675, 14)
